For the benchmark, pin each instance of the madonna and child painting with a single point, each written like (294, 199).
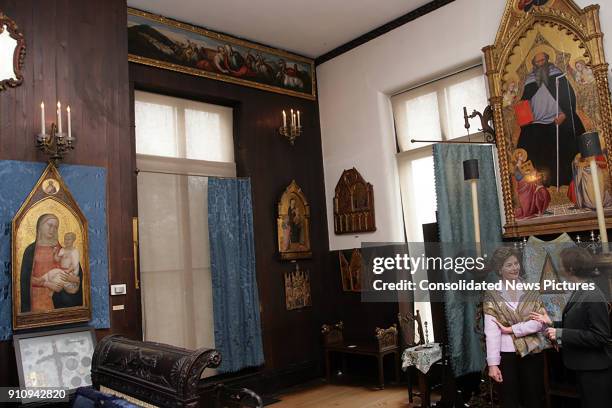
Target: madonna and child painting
(50, 259)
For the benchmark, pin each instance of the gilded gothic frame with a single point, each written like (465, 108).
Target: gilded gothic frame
(293, 224)
(575, 24)
(46, 221)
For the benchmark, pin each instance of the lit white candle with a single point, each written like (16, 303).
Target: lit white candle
(42, 118)
(298, 117)
(69, 123)
(284, 119)
(292, 118)
(59, 117)
(603, 232)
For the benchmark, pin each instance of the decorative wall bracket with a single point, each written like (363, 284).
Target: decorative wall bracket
(55, 144)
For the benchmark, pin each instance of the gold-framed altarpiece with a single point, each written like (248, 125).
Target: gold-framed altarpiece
(552, 44)
(50, 257)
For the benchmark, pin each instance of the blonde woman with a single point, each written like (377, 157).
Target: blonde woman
(514, 342)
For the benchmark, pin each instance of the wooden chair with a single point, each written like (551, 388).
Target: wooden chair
(410, 326)
(407, 324)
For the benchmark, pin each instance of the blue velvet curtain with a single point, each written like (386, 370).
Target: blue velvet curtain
(232, 258)
(455, 223)
(88, 187)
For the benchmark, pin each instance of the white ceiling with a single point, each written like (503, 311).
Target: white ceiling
(307, 27)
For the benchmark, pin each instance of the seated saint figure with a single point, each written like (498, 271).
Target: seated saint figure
(581, 191)
(533, 197)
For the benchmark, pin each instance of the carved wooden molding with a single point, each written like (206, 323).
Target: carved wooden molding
(386, 338)
(156, 373)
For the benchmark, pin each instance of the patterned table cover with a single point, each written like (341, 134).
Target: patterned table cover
(422, 357)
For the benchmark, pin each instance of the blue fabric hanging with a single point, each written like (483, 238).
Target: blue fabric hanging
(234, 284)
(88, 187)
(455, 223)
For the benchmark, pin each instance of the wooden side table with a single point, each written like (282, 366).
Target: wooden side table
(383, 343)
(363, 350)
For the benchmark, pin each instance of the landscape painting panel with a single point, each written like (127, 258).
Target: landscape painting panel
(184, 48)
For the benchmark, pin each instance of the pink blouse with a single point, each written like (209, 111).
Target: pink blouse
(498, 342)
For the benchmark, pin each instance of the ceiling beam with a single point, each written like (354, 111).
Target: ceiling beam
(383, 29)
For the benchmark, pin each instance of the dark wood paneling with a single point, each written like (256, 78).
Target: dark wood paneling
(77, 53)
(289, 337)
(360, 318)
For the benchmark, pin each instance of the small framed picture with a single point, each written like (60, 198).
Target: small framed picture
(55, 359)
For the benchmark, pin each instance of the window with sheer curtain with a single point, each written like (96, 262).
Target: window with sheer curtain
(432, 112)
(178, 144)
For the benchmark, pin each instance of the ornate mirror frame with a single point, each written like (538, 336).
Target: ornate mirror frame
(18, 55)
(573, 24)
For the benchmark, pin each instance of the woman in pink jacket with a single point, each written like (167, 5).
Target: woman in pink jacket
(514, 342)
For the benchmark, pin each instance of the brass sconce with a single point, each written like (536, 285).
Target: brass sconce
(294, 129)
(56, 143)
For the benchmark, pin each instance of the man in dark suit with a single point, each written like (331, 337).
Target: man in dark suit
(584, 333)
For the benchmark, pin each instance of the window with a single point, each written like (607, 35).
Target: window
(435, 111)
(183, 129)
(178, 144)
(432, 112)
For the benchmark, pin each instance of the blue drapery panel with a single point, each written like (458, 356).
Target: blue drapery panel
(455, 223)
(232, 259)
(88, 187)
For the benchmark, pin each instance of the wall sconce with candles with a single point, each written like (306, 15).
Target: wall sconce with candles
(56, 143)
(294, 129)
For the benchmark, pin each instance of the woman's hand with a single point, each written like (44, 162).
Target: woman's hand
(504, 329)
(495, 374)
(541, 317)
(53, 286)
(551, 333)
(68, 277)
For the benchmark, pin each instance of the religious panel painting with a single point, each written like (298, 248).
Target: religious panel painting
(297, 289)
(351, 271)
(293, 224)
(353, 204)
(546, 75)
(51, 281)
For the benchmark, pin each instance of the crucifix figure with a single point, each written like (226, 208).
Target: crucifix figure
(57, 356)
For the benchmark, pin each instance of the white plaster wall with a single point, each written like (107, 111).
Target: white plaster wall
(354, 88)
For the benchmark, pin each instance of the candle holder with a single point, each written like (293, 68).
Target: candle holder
(55, 144)
(291, 132)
